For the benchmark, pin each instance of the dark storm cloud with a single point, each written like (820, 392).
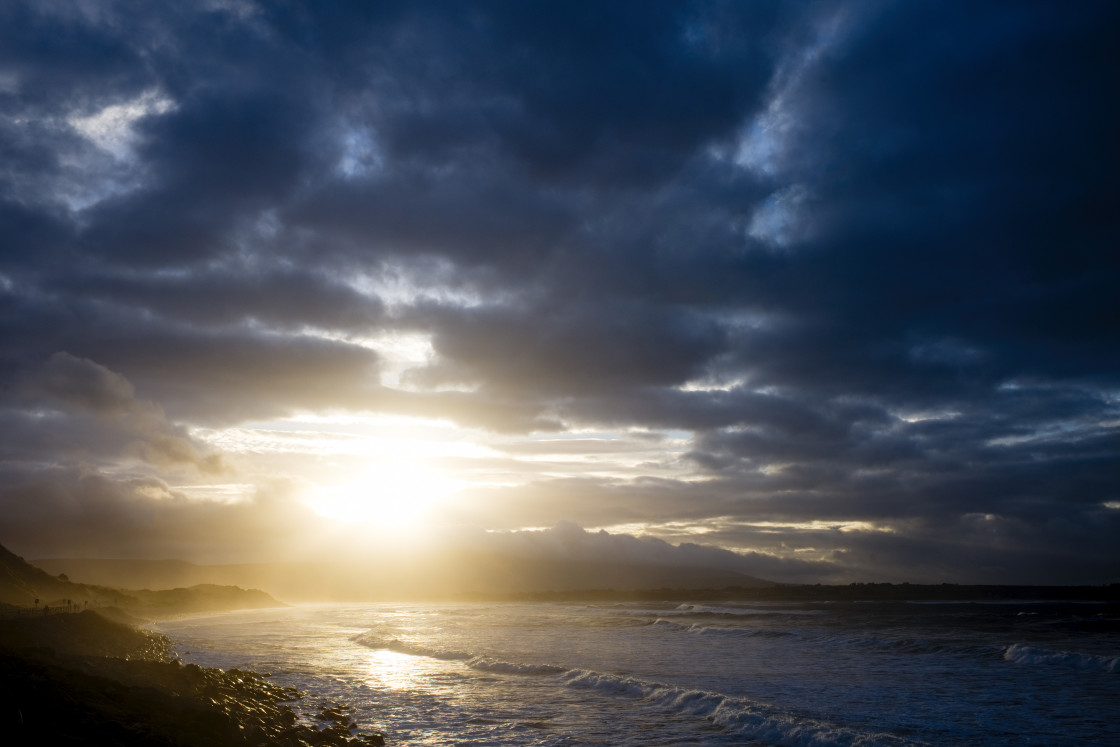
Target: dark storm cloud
(280, 298)
(66, 389)
(571, 348)
(216, 373)
(875, 241)
(64, 511)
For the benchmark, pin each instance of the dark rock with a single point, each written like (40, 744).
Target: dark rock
(71, 697)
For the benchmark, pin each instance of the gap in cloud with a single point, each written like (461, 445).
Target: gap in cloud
(348, 434)
(762, 147)
(110, 168)
(112, 128)
(920, 416)
(399, 351)
(400, 285)
(714, 383)
(780, 220)
(222, 493)
(360, 156)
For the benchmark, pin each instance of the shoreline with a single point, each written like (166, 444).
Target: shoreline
(798, 593)
(83, 679)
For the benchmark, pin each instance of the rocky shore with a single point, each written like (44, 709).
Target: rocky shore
(82, 679)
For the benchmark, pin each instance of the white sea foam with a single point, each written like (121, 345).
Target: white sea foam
(701, 609)
(1021, 654)
(486, 664)
(375, 641)
(749, 720)
(736, 632)
(754, 721)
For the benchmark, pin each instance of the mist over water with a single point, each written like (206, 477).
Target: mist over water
(666, 674)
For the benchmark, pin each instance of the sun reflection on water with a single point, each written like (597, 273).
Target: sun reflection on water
(392, 670)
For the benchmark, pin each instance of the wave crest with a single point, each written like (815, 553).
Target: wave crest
(378, 643)
(752, 721)
(697, 629)
(1021, 654)
(486, 664)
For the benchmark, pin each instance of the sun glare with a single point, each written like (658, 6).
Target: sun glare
(390, 493)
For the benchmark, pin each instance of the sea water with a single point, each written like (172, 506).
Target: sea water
(706, 673)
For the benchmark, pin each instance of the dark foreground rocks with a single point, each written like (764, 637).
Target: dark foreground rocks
(83, 680)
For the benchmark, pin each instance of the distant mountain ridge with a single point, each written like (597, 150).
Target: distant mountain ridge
(446, 574)
(129, 573)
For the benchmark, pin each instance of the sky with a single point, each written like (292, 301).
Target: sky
(818, 291)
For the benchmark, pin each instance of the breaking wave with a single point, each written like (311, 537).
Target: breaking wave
(486, 664)
(1021, 654)
(371, 640)
(710, 611)
(749, 720)
(721, 631)
(701, 609)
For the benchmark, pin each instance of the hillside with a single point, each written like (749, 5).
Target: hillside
(24, 586)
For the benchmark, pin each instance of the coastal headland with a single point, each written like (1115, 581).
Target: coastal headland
(75, 669)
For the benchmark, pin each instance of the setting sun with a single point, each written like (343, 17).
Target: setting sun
(564, 372)
(396, 493)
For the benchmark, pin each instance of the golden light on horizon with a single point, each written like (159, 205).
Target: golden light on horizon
(398, 493)
(413, 475)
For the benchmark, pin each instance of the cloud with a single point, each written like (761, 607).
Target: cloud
(568, 349)
(81, 383)
(856, 262)
(73, 386)
(79, 513)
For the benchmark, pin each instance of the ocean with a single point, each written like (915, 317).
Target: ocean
(842, 673)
